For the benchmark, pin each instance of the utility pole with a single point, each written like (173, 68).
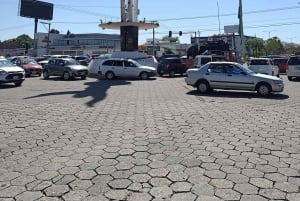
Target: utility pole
(48, 37)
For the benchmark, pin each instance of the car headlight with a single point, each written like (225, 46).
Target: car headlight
(277, 82)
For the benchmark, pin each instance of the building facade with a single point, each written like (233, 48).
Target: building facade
(76, 44)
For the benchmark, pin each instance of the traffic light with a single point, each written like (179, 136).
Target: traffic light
(180, 33)
(170, 34)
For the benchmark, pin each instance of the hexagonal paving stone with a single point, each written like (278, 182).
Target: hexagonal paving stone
(253, 198)
(180, 187)
(177, 176)
(161, 192)
(56, 190)
(139, 197)
(237, 178)
(124, 166)
(287, 187)
(79, 184)
(160, 182)
(272, 194)
(117, 194)
(77, 195)
(140, 178)
(261, 182)
(246, 189)
(228, 194)
(86, 174)
(119, 183)
(215, 174)
(221, 183)
(203, 189)
(191, 162)
(160, 172)
(12, 191)
(183, 196)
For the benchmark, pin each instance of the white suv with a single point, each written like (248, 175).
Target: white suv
(10, 73)
(293, 68)
(116, 67)
(263, 66)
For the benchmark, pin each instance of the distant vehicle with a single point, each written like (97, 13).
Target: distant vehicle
(168, 56)
(83, 60)
(171, 66)
(9, 73)
(68, 68)
(264, 66)
(117, 67)
(293, 68)
(30, 66)
(232, 76)
(48, 57)
(281, 63)
(200, 60)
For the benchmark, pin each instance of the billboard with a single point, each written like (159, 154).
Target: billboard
(36, 9)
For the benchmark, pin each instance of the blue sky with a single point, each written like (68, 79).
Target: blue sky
(263, 18)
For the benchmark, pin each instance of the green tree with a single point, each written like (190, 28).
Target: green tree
(255, 46)
(273, 46)
(22, 40)
(55, 31)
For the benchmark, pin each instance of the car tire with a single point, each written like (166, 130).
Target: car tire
(203, 86)
(290, 78)
(172, 73)
(17, 84)
(109, 75)
(46, 74)
(83, 77)
(66, 75)
(144, 76)
(263, 89)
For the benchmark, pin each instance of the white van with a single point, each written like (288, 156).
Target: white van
(200, 60)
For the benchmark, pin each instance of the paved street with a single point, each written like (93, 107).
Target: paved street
(138, 140)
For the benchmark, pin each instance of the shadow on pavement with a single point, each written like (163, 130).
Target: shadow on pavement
(238, 94)
(97, 90)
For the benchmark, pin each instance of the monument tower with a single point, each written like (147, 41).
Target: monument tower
(129, 25)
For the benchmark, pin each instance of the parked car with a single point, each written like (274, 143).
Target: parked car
(30, 66)
(117, 67)
(231, 75)
(83, 60)
(171, 66)
(293, 68)
(264, 66)
(68, 68)
(9, 73)
(49, 57)
(281, 63)
(200, 60)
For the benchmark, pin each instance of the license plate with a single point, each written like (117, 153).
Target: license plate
(15, 77)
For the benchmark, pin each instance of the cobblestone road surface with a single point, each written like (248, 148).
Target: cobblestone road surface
(140, 140)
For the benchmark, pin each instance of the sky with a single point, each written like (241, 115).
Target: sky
(262, 18)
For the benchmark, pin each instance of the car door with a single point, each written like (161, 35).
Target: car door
(130, 69)
(59, 67)
(117, 68)
(215, 75)
(237, 79)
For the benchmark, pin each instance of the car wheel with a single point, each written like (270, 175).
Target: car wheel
(172, 73)
(83, 77)
(110, 75)
(144, 75)
(263, 89)
(203, 86)
(66, 75)
(46, 74)
(160, 74)
(18, 83)
(290, 78)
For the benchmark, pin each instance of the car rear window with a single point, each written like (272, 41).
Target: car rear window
(280, 61)
(294, 61)
(259, 62)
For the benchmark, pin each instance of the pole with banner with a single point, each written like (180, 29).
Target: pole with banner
(241, 28)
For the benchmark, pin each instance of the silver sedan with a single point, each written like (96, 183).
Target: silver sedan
(233, 76)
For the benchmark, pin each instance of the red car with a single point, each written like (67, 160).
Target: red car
(30, 66)
(281, 63)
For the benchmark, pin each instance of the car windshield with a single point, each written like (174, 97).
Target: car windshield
(137, 64)
(245, 69)
(6, 63)
(29, 61)
(70, 62)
